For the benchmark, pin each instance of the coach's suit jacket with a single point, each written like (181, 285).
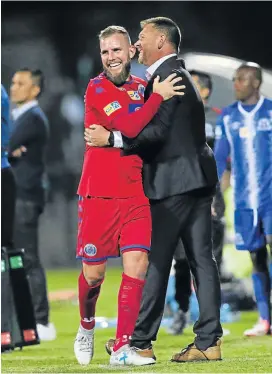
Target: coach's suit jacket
(173, 145)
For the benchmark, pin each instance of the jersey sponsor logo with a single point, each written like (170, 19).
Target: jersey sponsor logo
(133, 107)
(112, 107)
(141, 89)
(264, 124)
(134, 95)
(243, 132)
(90, 250)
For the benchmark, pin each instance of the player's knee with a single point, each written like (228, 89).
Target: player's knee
(94, 274)
(135, 264)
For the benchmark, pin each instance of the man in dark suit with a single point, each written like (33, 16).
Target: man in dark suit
(27, 151)
(179, 177)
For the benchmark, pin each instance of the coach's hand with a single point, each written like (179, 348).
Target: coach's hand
(167, 88)
(96, 136)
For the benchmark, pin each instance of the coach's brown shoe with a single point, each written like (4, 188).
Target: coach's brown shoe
(192, 353)
(109, 346)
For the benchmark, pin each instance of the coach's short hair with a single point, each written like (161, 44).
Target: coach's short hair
(36, 76)
(168, 26)
(111, 30)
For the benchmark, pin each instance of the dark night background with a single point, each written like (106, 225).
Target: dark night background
(61, 39)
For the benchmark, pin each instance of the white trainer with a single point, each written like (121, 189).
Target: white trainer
(84, 346)
(130, 356)
(261, 328)
(46, 332)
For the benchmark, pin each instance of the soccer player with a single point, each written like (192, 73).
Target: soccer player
(244, 131)
(114, 214)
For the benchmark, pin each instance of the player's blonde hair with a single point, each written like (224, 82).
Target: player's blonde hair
(111, 30)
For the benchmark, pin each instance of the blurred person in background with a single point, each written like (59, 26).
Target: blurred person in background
(244, 131)
(27, 150)
(114, 213)
(179, 178)
(8, 189)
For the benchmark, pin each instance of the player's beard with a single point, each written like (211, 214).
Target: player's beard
(119, 79)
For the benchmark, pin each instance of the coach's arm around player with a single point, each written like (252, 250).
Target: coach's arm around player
(98, 136)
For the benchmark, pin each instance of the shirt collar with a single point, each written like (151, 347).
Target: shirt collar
(151, 70)
(17, 112)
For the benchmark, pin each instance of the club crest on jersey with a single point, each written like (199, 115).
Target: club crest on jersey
(134, 107)
(134, 95)
(112, 107)
(90, 250)
(141, 89)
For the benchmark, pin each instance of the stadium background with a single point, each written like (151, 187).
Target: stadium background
(60, 38)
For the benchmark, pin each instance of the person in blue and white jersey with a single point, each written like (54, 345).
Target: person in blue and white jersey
(244, 131)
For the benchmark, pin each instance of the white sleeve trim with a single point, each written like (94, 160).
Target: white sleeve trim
(118, 141)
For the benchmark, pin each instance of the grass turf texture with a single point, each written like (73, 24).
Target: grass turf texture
(240, 355)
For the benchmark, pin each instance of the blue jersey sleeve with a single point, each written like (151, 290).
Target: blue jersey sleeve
(222, 146)
(4, 117)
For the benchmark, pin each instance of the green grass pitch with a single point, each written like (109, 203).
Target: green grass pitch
(240, 355)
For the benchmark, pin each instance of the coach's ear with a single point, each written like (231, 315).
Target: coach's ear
(132, 51)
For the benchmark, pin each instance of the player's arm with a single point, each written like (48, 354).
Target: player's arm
(221, 147)
(157, 130)
(92, 115)
(98, 136)
(130, 125)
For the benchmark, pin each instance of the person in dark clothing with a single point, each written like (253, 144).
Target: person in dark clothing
(26, 150)
(8, 189)
(203, 83)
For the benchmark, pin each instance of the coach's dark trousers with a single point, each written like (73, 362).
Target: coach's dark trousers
(26, 236)
(188, 217)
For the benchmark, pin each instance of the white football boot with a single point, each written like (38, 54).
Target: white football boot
(261, 328)
(132, 356)
(84, 346)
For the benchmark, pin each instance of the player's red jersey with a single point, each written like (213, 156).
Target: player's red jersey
(106, 173)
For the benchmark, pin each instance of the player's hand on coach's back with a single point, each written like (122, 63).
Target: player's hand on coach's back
(167, 88)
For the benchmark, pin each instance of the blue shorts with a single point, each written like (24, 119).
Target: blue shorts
(251, 227)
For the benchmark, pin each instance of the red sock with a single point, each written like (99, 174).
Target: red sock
(129, 301)
(87, 297)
